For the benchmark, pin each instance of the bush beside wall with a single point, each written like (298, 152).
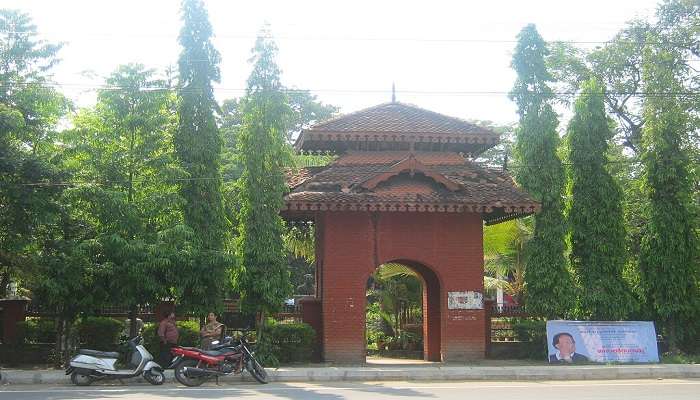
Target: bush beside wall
(100, 333)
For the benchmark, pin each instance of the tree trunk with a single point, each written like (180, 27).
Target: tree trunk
(62, 346)
(672, 338)
(4, 283)
(58, 344)
(133, 326)
(261, 325)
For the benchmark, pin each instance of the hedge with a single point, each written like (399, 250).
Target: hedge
(532, 333)
(36, 330)
(100, 333)
(286, 343)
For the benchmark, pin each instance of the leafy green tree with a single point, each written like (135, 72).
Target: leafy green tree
(539, 170)
(500, 155)
(198, 145)
(305, 110)
(618, 64)
(124, 146)
(597, 231)
(262, 276)
(669, 273)
(29, 112)
(65, 280)
(504, 256)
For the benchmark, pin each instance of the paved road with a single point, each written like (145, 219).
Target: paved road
(593, 390)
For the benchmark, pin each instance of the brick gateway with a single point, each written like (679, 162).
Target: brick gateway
(402, 190)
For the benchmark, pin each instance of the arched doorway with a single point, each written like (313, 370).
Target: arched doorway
(413, 318)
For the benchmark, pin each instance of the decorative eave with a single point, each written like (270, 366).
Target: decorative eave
(490, 213)
(411, 165)
(343, 141)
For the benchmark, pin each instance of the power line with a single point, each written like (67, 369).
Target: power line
(335, 91)
(343, 38)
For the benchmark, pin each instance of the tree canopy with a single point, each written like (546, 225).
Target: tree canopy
(548, 284)
(262, 277)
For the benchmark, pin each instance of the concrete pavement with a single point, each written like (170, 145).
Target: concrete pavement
(543, 390)
(419, 372)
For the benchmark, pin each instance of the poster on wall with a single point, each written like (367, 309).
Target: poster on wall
(465, 300)
(601, 341)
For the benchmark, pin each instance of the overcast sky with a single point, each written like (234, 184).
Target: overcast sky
(348, 53)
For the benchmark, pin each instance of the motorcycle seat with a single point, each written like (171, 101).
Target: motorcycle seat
(214, 352)
(97, 353)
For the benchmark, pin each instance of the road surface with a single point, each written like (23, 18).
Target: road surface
(593, 390)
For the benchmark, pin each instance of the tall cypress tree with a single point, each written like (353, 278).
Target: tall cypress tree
(262, 277)
(198, 146)
(548, 284)
(669, 245)
(595, 212)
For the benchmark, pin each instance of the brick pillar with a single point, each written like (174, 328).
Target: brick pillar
(348, 261)
(311, 314)
(13, 311)
(431, 321)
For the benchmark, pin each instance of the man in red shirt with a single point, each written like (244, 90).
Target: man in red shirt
(168, 334)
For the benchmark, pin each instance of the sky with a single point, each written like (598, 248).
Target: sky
(441, 55)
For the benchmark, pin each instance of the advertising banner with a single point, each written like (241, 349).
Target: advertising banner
(591, 341)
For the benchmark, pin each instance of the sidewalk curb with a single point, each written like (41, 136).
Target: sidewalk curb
(417, 373)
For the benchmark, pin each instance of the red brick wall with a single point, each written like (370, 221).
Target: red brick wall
(311, 314)
(445, 248)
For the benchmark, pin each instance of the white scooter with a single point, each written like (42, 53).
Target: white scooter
(92, 365)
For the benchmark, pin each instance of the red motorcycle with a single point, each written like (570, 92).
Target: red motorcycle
(195, 366)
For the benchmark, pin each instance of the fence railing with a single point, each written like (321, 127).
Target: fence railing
(510, 310)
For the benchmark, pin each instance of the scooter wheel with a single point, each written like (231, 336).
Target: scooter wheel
(154, 377)
(81, 379)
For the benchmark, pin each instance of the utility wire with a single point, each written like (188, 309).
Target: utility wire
(340, 38)
(332, 91)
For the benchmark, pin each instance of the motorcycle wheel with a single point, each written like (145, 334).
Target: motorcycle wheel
(256, 370)
(154, 377)
(81, 379)
(185, 380)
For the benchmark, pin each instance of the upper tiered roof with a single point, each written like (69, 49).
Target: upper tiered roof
(400, 158)
(397, 126)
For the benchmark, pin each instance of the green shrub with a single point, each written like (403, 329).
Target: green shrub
(189, 333)
(36, 330)
(25, 331)
(150, 338)
(285, 343)
(188, 330)
(532, 333)
(100, 333)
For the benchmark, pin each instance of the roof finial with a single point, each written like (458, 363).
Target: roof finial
(393, 92)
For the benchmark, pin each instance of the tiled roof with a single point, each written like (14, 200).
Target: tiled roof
(470, 188)
(299, 176)
(399, 118)
(389, 157)
(396, 126)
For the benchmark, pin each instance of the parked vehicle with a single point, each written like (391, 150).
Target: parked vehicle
(195, 366)
(92, 365)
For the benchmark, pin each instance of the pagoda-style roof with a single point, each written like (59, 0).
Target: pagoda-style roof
(396, 126)
(406, 181)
